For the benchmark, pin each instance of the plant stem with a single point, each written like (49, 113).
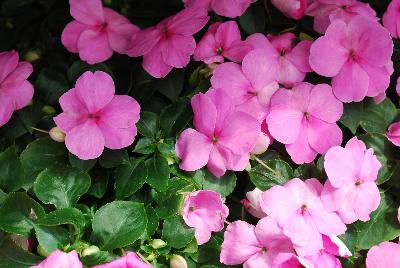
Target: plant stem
(40, 130)
(264, 165)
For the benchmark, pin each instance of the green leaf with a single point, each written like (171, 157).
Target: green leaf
(377, 117)
(61, 186)
(129, 178)
(223, 185)
(41, 154)
(99, 257)
(51, 85)
(253, 20)
(52, 237)
(148, 124)
(264, 178)
(152, 221)
(176, 233)
(175, 117)
(119, 224)
(113, 158)
(145, 146)
(99, 183)
(382, 226)
(352, 115)
(71, 216)
(158, 173)
(3, 196)
(13, 256)
(19, 213)
(172, 85)
(84, 165)
(11, 171)
(79, 67)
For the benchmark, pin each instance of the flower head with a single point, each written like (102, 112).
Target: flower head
(226, 8)
(386, 254)
(293, 9)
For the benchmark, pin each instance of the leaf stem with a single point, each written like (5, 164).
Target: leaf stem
(40, 130)
(263, 164)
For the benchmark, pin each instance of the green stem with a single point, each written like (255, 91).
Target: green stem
(40, 130)
(262, 163)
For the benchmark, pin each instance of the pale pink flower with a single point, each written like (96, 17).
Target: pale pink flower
(254, 246)
(222, 138)
(252, 203)
(60, 259)
(304, 119)
(356, 55)
(264, 140)
(289, 260)
(226, 8)
(94, 117)
(292, 58)
(393, 133)
(398, 86)
(206, 212)
(351, 190)
(170, 43)
(327, 11)
(15, 90)
(386, 254)
(251, 84)
(221, 40)
(293, 9)
(298, 209)
(131, 260)
(97, 31)
(391, 18)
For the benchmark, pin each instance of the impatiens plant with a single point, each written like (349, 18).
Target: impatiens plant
(199, 134)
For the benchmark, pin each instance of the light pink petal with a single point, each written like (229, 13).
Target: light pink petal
(188, 21)
(390, 21)
(224, 107)
(324, 105)
(240, 243)
(260, 68)
(289, 74)
(339, 167)
(357, 149)
(202, 230)
(240, 133)
(386, 254)
(86, 141)
(95, 90)
(298, 229)
(268, 231)
(93, 47)
(333, 245)
(260, 41)
(328, 223)
(205, 114)
(230, 8)
(379, 79)
(300, 55)
(216, 163)
(87, 11)
(193, 148)
(295, 99)
(22, 71)
(8, 62)
(118, 263)
(6, 109)
(322, 136)
(279, 203)
(370, 167)
(121, 112)
(134, 261)
(227, 33)
(71, 33)
(144, 41)
(229, 76)
(75, 112)
(154, 64)
(351, 84)
(258, 260)
(294, 9)
(20, 93)
(117, 138)
(206, 50)
(67, 121)
(177, 49)
(237, 51)
(284, 125)
(300, 150)
(393, 133)
(367, 200)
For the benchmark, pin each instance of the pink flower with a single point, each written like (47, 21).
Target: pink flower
(391, 18)
(15, 90)
(226, 8)
(292, 58)
(60, 259)
(393, 133)
(327, 11)
(170, 43)
(299, 211)
(356, 55)
(97, 31)
(398, 86)
(94, 118)
(254, 246)
(222, 138)
(293, 9)
(252, 203)
(386, 254)
(304, 119)
(131, 260)
(351, 190)
(252, 84)
(206, 212)
(221, 40)
(264, 140)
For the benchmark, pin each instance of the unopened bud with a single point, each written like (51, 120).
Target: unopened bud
(90, 250)
(42, 252)
(47, 109)
(151, 257)
(32, 56)
(158, 243)
(57, 134)
(177, 261)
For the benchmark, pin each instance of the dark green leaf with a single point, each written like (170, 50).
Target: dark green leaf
(99, 184)
(148, 124)
(278, 173)
(352, 115)
(113, 158)
(52, 237)
(253, 20)
(81, 164)
(11, 170)
(377, 117)
(152, 221)
(79, 67)
(175, 117)
(223, 185)
(130, 177)
(13, 256)
(145, 146)
(176, 233)
(172, 85)
(158, 173)
(51, 85)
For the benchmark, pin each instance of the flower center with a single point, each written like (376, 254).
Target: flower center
(103, 26)
(94, 116)
(303, 209)
(219, 51)
(263, 250)
(165, 32)
(191, 209)
(353, 55)
(214, 139)
(358, 182)
(282, 52)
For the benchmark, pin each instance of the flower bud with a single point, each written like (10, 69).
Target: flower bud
(42, 252)
(90, 250)
(158, 243)
(57, 135)
(177, 261)
(47, 109)
(151, 257)
(32, 56)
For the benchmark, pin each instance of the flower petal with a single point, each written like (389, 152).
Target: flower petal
(121, 112)
(94, 47)
(87, 11)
